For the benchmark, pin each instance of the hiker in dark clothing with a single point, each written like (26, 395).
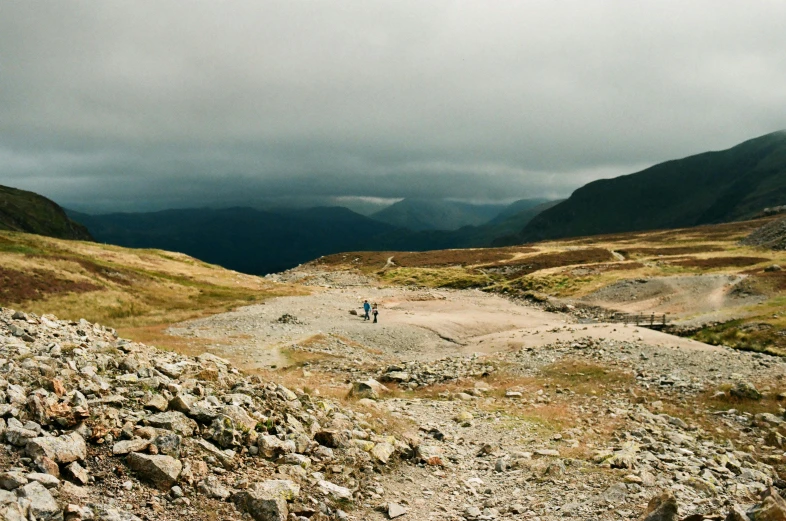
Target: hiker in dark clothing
(375, 312)
(366, 309)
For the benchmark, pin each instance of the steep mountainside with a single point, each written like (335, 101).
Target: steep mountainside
(23, 211)
(708, 188)
(435, 214)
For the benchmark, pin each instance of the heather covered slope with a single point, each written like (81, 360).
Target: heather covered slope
(136, 291)
(709, 284)
(23, 211)
(707, 188)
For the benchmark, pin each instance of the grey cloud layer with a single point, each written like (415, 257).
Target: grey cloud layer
(151, 104)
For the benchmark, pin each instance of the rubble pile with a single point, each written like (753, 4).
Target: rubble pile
(97, 427)
(413, 374)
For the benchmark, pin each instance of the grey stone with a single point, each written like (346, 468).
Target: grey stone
(60, 449)
(267, 501)
(173, 421)
(383, 451)
(661, 508)
(78, 473)
(126, 446)
(333, 490)
(212, 488)
(161, 471)
(42, 505)
(47, 480)
(12, 479)
(395, 510)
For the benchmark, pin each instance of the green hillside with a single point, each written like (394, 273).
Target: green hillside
(707, 188)
(22, 211)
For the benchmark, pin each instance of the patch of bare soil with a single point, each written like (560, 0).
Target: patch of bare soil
(680, 296)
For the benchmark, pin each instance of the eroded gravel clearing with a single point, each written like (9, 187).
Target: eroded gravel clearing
(512, 423)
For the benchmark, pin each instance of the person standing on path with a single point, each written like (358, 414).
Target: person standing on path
(375, 312)
(366, 309)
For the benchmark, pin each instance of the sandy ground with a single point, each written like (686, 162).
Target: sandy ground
(413, 325)
(556, 478)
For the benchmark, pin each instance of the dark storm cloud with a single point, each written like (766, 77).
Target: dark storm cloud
(122, 105)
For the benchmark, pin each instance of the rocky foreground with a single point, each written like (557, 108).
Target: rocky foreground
(97, 427)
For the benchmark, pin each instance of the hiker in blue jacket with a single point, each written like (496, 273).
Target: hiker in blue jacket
(366, 309)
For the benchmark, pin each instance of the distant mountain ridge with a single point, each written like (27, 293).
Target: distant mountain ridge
(23, 211)
(518, 208)
(436, 214)
(244, 239)
(265, 241)
(712, 187)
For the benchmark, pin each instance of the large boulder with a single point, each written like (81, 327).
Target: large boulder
(271, 446)
(173, 421)
(42, 505)
(267, 501)
(772, 508)
(745, 391)
(132, 445)
(370, 389)
(383, 451)
(332, 438)
(161, 471)
(661, 508)
(213, 488)
(60, 449)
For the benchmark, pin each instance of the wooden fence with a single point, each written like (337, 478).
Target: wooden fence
(651, 320)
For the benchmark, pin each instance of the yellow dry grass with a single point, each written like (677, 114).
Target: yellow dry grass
(138, 292)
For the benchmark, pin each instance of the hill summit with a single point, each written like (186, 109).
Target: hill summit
(22, 211)
(707, 188)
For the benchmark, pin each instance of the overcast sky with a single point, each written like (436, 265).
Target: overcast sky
(141, 105)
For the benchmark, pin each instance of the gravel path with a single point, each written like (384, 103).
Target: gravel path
(507, 429)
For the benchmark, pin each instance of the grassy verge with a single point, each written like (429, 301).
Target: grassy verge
(138, 292)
